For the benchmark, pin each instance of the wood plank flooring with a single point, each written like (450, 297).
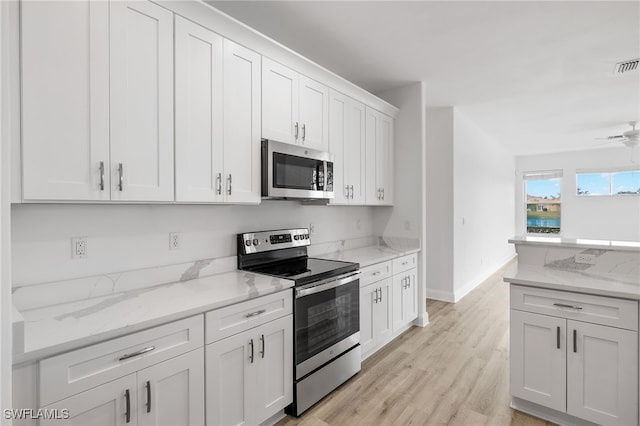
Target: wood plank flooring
(455, 371)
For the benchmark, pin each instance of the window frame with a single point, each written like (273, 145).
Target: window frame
(541, 175)
(610, 171)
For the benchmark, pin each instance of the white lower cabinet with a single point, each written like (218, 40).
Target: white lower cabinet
(375, 315)
(249, 375)
(168, 393)
(405, 298)
(586, 370)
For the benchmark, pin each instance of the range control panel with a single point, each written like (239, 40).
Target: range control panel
(255, 242)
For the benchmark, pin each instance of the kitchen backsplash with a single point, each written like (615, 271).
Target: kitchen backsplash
(132, 237)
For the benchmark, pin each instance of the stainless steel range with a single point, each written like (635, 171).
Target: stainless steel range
(326, 310)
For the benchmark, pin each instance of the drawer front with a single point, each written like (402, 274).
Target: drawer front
(373, 273)
(230, 320)
(73, 372)
(405, 263)
(609, 311)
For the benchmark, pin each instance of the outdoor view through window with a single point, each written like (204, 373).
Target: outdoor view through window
(543, 203)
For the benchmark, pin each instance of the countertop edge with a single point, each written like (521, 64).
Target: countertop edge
(604, 245)
(571, 288)
(38, 354)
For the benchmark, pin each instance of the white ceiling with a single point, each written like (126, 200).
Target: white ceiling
(537, 76)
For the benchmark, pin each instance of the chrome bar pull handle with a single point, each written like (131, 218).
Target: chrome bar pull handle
(253, 314)
(383, 193)
(229, 189)
(558, 337)
(352, 192)
(296, 130)
(575, 340)
(263, 345)
(101, 186)
(347, 189)
(376, 273)
(562, 305)
(219, 179)
(121, 177)
(138, 353)
(304, 131)
(251, 351)
(148, 386)
(127, 404)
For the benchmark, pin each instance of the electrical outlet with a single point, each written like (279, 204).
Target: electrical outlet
(78, 247)
(174, 241)
(312, 228)
(587, 259)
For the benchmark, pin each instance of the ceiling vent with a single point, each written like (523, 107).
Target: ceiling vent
(626, 66)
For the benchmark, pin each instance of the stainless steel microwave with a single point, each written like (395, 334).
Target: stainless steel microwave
(292, 171)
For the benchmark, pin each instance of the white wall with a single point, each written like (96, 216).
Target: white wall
(470, 204)
(607, 218)
(125, 237)
(438, 245)
(483, 203)
(407, 216)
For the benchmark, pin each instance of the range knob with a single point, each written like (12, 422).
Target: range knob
(306, 236)
(247, 243)
(295, 237)
(256, 242)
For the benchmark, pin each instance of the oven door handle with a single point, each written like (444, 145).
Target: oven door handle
(328, 284)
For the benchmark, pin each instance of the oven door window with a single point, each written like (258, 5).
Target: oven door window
(292, 172)
(324, 319)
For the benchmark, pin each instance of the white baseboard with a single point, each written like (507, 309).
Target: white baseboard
(422, 320)
(469, 286)
(547, 413)
(445, 296)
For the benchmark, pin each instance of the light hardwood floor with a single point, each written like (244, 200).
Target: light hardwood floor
(455, 371)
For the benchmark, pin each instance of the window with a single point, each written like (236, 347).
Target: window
(608, 183)
(542, 192)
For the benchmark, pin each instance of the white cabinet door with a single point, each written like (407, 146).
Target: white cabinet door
(279, 102)
(141, 101)
(65, 100)
(230, 379)
(347, 144)
(337, 139)
(538, 359)
(602, 376)
(354, 150)
(379, 142)
(405, 307)
(274, 357)
(241, 124)
(384, 157)
(410, 299)
(105, 405)
(382, 316)
(198, 117)
(172, 392)
(314, 114)
(368, 297)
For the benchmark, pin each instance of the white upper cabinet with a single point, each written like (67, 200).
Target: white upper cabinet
(65, 100)
(379, 137)
(141, 101)
(279, 102)
(313, 114)
(241, 124)
(347, 143)
(199, 101)
(295, 108)
(217, 118)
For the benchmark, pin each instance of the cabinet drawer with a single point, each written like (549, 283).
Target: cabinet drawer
(609, 311)
(373, 273)
(70, 373)
(405, 263)
(230, 320)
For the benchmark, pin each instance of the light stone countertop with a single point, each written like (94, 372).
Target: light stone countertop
(576, 243)
(625, 286)
(67, 326)
(370, 255)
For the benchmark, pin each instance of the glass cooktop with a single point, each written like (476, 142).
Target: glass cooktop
(306, 269)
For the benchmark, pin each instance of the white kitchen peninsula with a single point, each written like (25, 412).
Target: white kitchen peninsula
(574, 330)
